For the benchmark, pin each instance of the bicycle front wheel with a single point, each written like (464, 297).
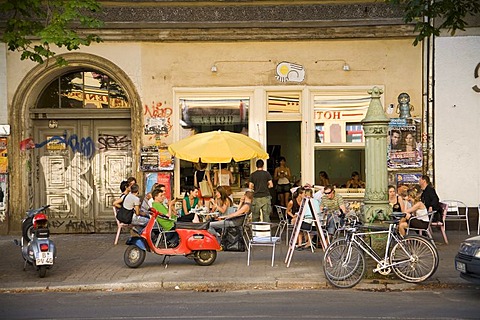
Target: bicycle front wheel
(344, 265)
(413, 259)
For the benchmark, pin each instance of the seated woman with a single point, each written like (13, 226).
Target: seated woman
(396, 202)
(294, 205)
(355, 181)
(225, 221)
(418, 214)
(191, 200)
(222, 202)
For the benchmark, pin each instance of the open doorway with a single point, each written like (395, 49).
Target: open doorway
(284, 139)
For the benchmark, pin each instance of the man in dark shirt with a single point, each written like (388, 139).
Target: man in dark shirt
(429, 197)
(261, 182)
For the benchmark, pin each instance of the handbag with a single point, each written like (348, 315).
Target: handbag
(205, 189)
(124, 215)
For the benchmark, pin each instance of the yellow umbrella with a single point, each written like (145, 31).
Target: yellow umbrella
(217, 147)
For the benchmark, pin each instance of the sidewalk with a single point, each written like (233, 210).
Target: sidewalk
(92, 262)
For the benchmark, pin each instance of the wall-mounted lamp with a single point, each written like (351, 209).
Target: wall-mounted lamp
(214, 68)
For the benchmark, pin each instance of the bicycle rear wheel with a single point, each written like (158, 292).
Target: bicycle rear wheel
(344, 265)
(414, 259)
(432, 245)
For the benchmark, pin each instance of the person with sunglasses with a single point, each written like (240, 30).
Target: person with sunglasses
(334, 206)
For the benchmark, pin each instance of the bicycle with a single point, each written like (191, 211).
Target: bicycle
(412, 258)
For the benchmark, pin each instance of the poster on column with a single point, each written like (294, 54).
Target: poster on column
(164, 178)
(408, 179)
(405, 144)
(3, 156)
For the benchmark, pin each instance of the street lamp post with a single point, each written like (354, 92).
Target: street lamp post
(375, 126)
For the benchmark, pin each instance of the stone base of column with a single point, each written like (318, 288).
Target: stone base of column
(376, 212)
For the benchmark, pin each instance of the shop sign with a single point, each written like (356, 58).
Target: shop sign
(344, 115)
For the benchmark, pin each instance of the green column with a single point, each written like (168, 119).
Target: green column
(375, 126)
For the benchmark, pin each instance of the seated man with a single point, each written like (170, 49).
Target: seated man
(166, 224)
(334, 204)
(225, 221)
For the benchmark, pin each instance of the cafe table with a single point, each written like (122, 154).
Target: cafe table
(204, 214)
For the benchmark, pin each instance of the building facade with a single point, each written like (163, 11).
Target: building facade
(292, 76)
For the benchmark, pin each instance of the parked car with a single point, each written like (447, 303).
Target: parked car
(467, 260)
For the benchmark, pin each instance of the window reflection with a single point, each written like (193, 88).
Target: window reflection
(83, 89)
(208, 114)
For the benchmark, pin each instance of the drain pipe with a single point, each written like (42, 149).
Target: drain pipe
(429, 105)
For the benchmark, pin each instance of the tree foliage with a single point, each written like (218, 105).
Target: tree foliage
(449, 15)
(33, 26)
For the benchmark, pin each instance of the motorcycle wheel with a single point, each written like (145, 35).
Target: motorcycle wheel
(27, 230)
(42, 271)
(205, 257)
(134, 256)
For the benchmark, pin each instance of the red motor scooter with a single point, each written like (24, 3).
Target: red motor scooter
(187, 239)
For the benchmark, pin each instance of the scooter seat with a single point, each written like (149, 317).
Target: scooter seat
(193, 226)
(42, 233)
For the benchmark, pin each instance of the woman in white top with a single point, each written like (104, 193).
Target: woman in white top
(418, 214)
(224, 178)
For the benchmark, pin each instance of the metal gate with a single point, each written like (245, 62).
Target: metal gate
(78, 167)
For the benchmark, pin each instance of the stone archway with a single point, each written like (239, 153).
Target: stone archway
(28, 91)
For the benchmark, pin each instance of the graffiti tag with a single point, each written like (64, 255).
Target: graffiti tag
(111, 142)
(83, 146)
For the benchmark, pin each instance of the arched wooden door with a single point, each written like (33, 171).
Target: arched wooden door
(78, 166)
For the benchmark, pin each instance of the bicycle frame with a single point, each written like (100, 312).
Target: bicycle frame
(356, 237)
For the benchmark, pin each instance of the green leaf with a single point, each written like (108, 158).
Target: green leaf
(50, 22)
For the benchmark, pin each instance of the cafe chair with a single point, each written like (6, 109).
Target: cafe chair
(262, 236)
(120, 225)
(426, 230)
(457, 211)
(283, 225)
(441, 224)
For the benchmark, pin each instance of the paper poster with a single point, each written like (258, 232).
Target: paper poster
(405, 146)
(164, 178)
(153, 158)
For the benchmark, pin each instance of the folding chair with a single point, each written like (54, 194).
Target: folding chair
(441, 224)
(262, 236)
(120, 225)
(283, 224)
(426, 230)
(454, 214)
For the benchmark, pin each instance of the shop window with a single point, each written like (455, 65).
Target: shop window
(354, 132)
(284, 102)
(209, 113)
(83, 89)
(338, 116)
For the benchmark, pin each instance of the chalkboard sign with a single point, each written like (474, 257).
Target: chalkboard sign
(307, 201)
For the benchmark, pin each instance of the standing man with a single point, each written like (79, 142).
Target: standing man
(261, 182)
(430, 198)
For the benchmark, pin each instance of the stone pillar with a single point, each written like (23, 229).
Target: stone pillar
(375, 126)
